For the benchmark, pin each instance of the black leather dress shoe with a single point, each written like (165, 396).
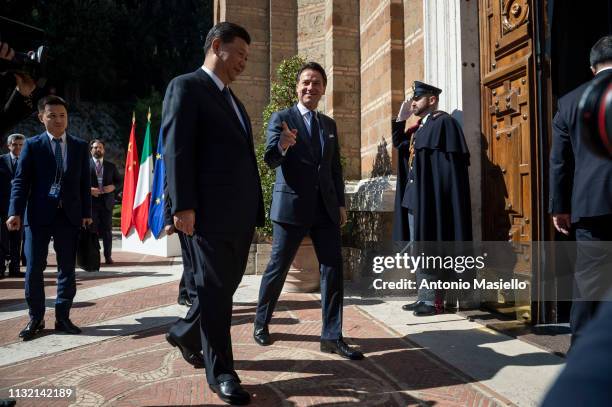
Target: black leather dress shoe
(341, 348)
(231, 392)
(423, 310)
(109, 260)
(32, 328)
(16, 274)
(411, 307)
(66, 326)
(192, 357)
(261, 335)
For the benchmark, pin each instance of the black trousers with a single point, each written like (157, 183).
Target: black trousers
(327, 243)
(187, 286)
(65, 236)
(10, 247)
(593, 272)
(103, 224)
(218, 263)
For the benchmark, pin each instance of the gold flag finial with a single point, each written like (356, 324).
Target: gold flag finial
(149, 114)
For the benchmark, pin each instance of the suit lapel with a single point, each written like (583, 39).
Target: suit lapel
(47, 143)
(325, 133)
(221, 101)
(70, 146)
(105, 173)
(247, 125)
(9, 164)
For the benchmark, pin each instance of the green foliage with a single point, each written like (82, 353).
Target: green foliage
(282, 96)
(116, 215)
(115, 50)
(153, 101)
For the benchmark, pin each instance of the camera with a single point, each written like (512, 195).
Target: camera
(595, 114)
(32, 63)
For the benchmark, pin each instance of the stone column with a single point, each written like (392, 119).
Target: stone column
(343, 86)
(413, 44)
(452, 64)
(283, 32)
(443, 50)
(253, 86)
(382, 81)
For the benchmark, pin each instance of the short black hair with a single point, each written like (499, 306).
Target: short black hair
(226, 31)
(51, 100)
(601, 51)
(313, 66)
(96, 140)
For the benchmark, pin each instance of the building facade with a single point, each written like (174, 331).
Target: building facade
(499, 65)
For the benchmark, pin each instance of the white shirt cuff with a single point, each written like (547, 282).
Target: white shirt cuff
(280, 149)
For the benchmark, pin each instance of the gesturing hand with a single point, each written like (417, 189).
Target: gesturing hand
(287, 137)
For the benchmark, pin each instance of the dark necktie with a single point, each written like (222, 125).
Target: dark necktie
(99, 174)
(14, 161)
(228, 97)
(59, 159)
(315, 136)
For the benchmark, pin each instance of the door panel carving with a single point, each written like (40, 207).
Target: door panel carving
(507, 126)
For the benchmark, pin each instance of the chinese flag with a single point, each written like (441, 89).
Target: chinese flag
(129, 182)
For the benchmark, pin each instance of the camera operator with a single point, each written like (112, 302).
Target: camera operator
(24, 96)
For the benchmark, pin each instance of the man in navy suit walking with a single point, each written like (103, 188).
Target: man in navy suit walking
(581, 196)
(10, 242)
(216, 199)
(308, 198)
(51, 187)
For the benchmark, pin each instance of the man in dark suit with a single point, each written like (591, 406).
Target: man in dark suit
(187, 286)
(216, 199)
(51, 187)
(10, 242)
(308, 198)
(105, 180)
(581, 196)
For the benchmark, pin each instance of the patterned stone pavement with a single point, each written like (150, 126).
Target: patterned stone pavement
(138, 368)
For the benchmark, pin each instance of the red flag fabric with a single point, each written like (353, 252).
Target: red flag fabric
(142, 196)
(129, 182)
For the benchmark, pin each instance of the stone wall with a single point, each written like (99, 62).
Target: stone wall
(382, 81)
(253, 86)
(342, 59)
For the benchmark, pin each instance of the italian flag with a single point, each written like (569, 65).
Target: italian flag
(129, 181)
(145, 181)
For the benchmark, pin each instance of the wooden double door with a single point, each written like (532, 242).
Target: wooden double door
(511, 170)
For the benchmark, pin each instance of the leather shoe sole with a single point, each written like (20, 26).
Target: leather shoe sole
(350, 354)
(191, 357)
(238, 397)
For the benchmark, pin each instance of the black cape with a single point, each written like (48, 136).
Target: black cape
(443, 209)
